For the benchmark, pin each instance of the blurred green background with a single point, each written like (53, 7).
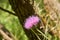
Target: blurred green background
(11, 22)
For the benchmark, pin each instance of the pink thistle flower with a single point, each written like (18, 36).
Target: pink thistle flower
(30, 21)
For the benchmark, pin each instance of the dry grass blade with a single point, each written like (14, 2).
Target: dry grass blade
(52, 8)
(5, 35)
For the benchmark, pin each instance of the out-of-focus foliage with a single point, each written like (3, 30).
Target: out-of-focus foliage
(11, 22)
(43, 13)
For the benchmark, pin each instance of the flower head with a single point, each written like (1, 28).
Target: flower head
(30, 21)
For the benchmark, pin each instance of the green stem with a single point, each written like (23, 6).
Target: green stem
(35, 34)
(42, 34)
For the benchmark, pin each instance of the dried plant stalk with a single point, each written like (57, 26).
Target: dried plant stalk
(52, 8)
(5, 33)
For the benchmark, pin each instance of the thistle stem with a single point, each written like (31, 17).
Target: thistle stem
(35, 34)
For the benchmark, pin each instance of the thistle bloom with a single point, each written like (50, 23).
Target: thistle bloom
(30, 21)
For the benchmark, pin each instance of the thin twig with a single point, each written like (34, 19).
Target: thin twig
(7, 11)
(5, 36)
